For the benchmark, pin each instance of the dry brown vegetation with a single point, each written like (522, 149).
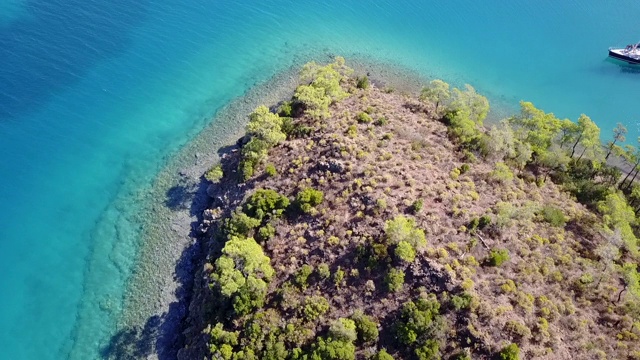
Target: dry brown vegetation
(550, 296)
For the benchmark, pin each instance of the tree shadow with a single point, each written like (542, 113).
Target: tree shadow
(163, 335)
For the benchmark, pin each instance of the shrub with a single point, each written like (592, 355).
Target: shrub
(485, 220)
(323, 271)
(343, 329)
(510, 352)
(314, 307)
(270, 170)
(266, 232)
(366, 327)
(363, 82)
(473, 224)
(417, 206)
(464, 168)
(303, 275)
(501, 173)
(405, 252)
(240, 224)
(497, 257)
(381, 121)
(363, 117)
(338, 276)
(286, 109)
(241, 273)
(418, 320)
(461, 302)
(331, 349)
(266, 203)
(401, 228)
(214, 174)
(308, 198)
(394, 280)
(553, 216)
(430, 350)
(383, 355)
(352, 131)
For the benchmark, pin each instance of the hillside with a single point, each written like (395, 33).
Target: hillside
(356, 222)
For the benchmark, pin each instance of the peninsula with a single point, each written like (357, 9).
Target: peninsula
(355, 222)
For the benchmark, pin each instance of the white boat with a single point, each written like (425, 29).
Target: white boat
(630, 53)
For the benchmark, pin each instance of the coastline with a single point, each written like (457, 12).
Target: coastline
(158, 294)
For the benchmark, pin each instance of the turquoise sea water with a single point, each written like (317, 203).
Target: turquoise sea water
(95, 95)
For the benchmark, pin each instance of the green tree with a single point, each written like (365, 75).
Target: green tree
(401, 228)
(536, 127)
(343, 329)
(472, 104)
(323, 87)
(510, 352)
(366, 327)
(619, 135)
(266, 126)
(242, 271)
(588, 137)
(437, 92)
(266, 203)
(333, 349)
(618, 215)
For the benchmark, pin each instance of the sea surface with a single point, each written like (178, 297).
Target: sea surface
(95, 97)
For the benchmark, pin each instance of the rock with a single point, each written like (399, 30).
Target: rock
(332, 165)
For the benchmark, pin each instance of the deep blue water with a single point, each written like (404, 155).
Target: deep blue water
(95, 95)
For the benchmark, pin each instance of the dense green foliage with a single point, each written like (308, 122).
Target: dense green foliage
(307, 199)
(323, 88)
(497, 257)
(510, 352)
(242, 272)
(264, 131)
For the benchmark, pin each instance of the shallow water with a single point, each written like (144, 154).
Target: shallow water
(96, 95)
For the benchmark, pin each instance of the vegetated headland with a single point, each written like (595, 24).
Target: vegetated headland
(352, 221)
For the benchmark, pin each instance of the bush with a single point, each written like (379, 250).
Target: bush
(308, 198)
(401, 228)
(363, 117)
(343, 329)
(363, 82)
(323, 271)
(394, 280)
(314, 307)
(352, 131)
(303, 275)
(405, 252)
(510, 352)
(419, 320)
(241, 273)
(214, 174)
(366, 327)
(464, 168)
(286, 109)
(270, 170)
(501, 173)
(266, 232)
(430, 350)
(331, 349)
(497, 257)
(240, 224)
(485, 220)
(383, 355)
(553, 216)
(266, 203)
(461, 302)
(417, 206)
(381, 121)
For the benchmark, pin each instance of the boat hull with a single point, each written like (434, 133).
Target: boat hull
(623, 57)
